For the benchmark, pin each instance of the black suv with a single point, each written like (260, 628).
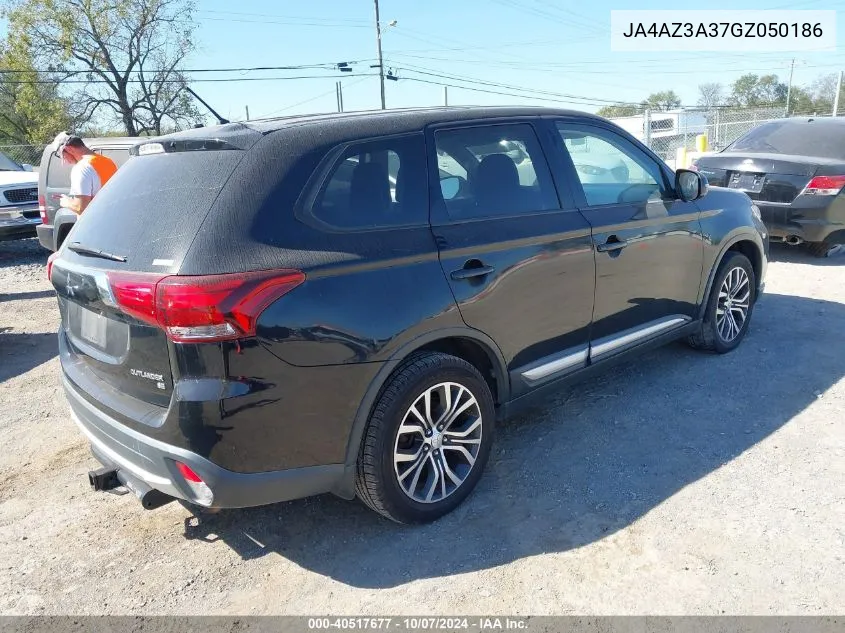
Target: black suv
(347, 303)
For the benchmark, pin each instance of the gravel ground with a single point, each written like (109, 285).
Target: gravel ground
(686, 483)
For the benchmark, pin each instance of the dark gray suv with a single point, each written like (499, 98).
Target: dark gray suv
(348, 303)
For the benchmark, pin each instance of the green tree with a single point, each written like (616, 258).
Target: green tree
(663, 100)
(755, 90)
(128, 53)
(616, 111)
(31, 112)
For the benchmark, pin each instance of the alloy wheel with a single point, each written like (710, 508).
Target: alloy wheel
(734, 304)
(438, 442)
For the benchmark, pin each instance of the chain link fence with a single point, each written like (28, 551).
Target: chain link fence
(24, 154)
(667, 132)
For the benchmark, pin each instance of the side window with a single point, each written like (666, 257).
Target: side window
(611, 171)
(376, 184)
(118, 155)
(494, 170)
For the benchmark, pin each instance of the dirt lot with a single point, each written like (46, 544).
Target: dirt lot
(685, 483)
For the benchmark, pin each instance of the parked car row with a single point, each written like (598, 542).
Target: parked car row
(263, 311)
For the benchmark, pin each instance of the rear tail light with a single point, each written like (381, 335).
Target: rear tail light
(824, 186)
(199, 489)
(201, 308)
(42, 209)
(50, 265)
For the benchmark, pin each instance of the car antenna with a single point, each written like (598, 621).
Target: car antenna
(210, 109)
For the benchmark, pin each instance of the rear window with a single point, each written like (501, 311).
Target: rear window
(153, 207)
(825, 139)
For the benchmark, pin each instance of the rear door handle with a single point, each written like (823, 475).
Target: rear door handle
(613, 243)
(472, 271)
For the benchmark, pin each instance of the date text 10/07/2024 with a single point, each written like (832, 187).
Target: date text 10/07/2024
(420, 624)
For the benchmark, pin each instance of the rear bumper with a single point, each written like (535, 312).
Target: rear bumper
(153, 462)
(15, 225)
(45, 236)
(810, 223)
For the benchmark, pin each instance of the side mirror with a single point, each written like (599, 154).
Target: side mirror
(27, 167)
(450, 187)
(690, 185)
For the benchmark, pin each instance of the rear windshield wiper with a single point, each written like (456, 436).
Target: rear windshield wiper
(76, 247)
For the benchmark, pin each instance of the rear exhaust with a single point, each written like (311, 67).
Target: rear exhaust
(793, 240)
(108, 479)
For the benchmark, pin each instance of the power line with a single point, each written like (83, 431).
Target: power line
(288, 22)
(310, 99)
(498, 92)
(473, 80)
(325, 65)
(179, 81)
(286, 17)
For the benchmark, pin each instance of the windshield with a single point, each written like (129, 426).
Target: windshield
(7, 164)
(825, 139)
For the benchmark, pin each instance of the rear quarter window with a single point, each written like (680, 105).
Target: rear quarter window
(58, 174)
(374, 184)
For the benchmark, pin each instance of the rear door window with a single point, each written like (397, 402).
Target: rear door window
(375, 184)
(493, 171)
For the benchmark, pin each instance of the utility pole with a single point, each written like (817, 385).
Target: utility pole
(247, 112)
(339, 91)
(836, 97)
(380, 59)
(445, 95)
(789, 85)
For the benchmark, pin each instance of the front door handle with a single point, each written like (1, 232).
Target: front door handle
(613, 243)
(472, 268)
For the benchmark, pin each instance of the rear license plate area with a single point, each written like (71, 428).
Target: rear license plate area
(752, 183)
(93, 328)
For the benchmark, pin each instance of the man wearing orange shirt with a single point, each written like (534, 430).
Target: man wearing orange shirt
(89, 174)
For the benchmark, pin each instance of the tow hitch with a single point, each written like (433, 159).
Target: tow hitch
(104, 479)
(108, 479)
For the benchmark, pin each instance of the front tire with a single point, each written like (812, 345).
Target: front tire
(729, 306)
(427, 440)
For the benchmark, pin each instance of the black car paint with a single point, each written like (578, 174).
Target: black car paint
(776, 190)
(299, 394)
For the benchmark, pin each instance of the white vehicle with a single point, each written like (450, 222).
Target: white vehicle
(18, 200)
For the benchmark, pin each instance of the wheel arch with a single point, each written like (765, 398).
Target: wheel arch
(473, 346)
(743, 243)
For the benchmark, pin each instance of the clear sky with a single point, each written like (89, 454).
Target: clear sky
(551, 46)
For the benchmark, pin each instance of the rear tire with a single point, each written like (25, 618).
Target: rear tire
(729, 306)
(410, 470)
(825, 249)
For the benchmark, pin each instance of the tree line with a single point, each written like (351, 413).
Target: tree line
(747, 91)
(94, 65)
